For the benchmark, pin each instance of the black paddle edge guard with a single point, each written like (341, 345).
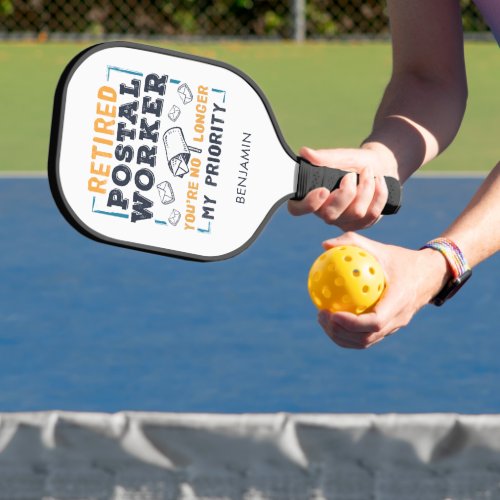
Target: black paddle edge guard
(311, 177)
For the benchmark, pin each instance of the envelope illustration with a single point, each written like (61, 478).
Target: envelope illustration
(178, 153)
(185, 93)
(166, 192)
(174, 113)
(175, 217)
(179, 167)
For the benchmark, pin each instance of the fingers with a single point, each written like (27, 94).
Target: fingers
(365, 330)
(364, 208)
(335, 205)
(352, 238)
(357, 203)
(364, 195)
(380, 196)
(355, 332)
(310, 204)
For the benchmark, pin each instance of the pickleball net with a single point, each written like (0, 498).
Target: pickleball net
(159, 456)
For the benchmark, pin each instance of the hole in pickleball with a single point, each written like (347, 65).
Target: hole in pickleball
(346, 299)
(362, 254)
(356, 273)
(366, 289)
(379, 287)
(348, 258)
(360, 309)
(317, 276)
(327, 293)
(317, 300)
(339, 281)
(372, 270)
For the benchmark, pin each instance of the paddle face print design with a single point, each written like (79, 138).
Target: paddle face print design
(168, 153)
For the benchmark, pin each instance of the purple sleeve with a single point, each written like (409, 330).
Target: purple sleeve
(490, 9)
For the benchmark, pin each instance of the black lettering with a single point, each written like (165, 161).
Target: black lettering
(214, 150)
(149, 131)
(123, 132)
(153, 107)
(215, 119)
(121, 175)
(140, 207)
(129, 111)
(145, 154)
(124, 153)
(218, 108)
(134, 90)
(155, 83)
(207, 213)
(115, 199)
(209, 181)
(139, 179)
(215, 138)
(245, 153)
(212, 169)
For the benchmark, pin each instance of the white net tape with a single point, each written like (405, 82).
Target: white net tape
(160, 456)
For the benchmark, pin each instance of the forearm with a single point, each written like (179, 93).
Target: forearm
(416, 120)
(424, 103)
(477, 230)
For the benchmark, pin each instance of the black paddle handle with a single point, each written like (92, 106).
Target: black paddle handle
(312, 177)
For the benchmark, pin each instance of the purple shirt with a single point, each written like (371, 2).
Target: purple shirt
(490, 9)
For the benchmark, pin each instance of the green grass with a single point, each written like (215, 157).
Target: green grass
(323, 94)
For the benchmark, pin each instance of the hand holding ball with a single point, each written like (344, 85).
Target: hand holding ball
(346, 278)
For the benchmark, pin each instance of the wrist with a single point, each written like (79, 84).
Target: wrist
(387, 160)
(437, 272)
(458, 268)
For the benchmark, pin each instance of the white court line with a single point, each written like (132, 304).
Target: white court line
(454, 174)
(23, 175)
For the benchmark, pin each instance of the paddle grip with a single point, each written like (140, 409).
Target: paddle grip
(311, 177)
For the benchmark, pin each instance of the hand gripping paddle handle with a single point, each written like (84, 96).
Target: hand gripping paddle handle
(311, 177)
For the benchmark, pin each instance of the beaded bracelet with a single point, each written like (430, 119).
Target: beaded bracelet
(459, 267)
(452, 254)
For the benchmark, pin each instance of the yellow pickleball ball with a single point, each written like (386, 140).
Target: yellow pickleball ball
(346, 278)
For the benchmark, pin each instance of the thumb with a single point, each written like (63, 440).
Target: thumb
(349, 238)
(310, 155)
(339, 157)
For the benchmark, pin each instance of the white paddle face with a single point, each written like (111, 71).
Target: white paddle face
(164, 152)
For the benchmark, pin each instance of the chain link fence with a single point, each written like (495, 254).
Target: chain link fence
(282, 19)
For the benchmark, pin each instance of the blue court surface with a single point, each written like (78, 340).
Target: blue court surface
(90, 327)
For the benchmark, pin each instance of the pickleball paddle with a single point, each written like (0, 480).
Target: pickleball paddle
(171, 153)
